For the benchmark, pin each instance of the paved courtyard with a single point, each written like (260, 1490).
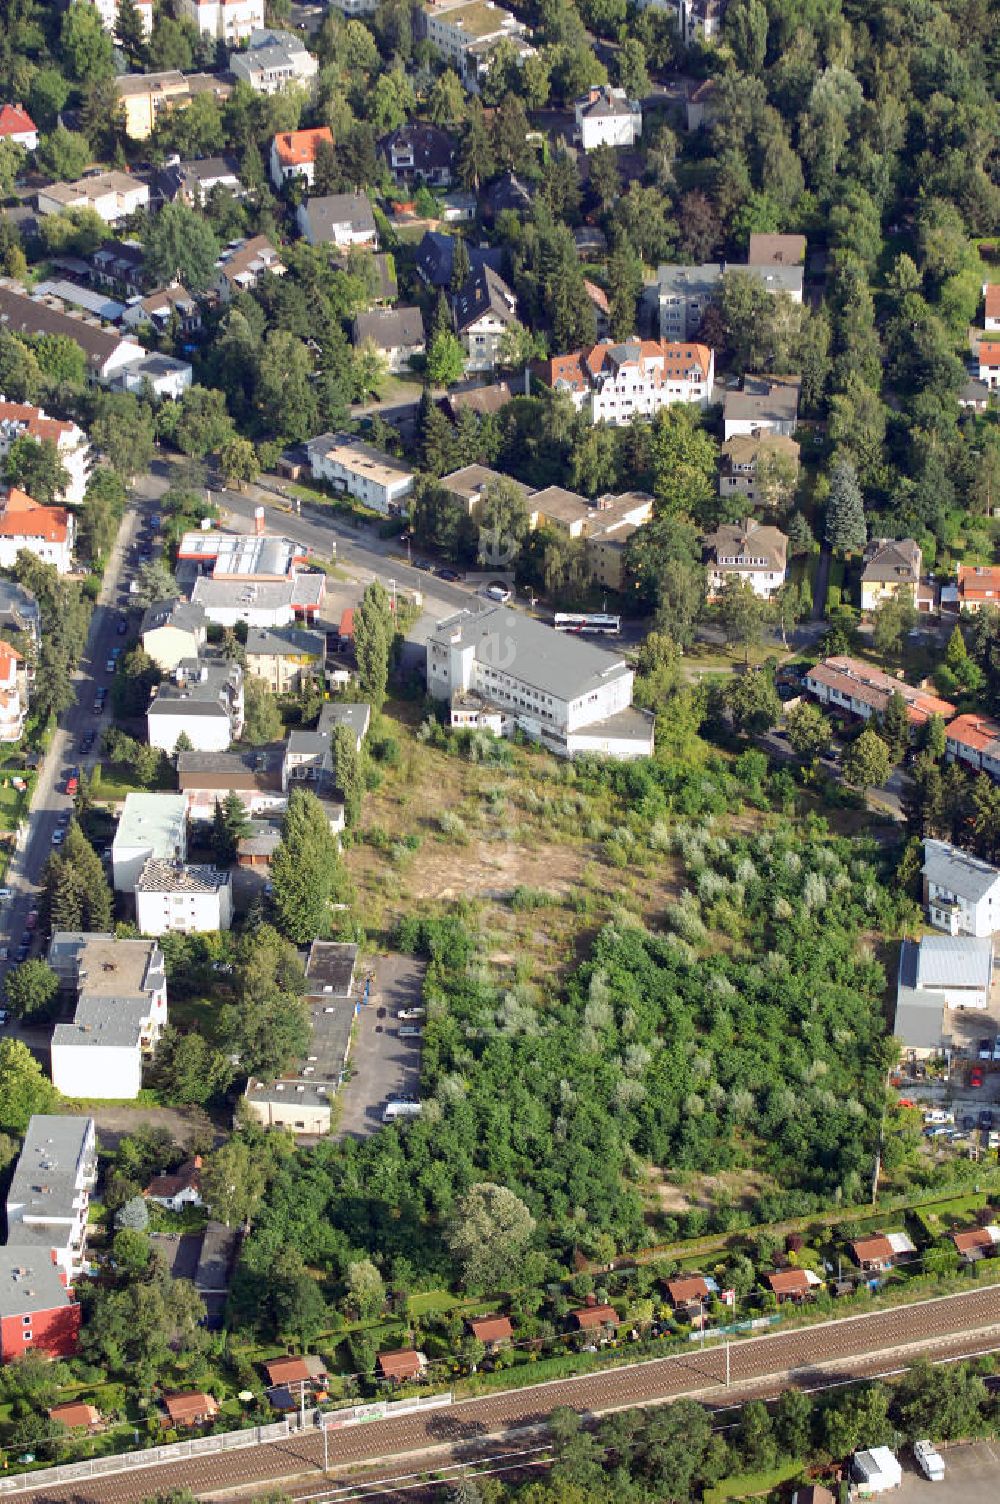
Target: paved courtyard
(971, 1476)
(382, 1064)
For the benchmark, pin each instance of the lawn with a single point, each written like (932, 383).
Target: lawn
(942, 1217)
(747, 1485)
(116, 782)
(431, 1303)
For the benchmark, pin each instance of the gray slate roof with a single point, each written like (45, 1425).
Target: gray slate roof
(484, 292)
(551, 662)
(287, 642)
(327, 212)
(954, 961)
(175, 613)
(50, 1157)
(390, 328)
(958, 871)
(29, 1282)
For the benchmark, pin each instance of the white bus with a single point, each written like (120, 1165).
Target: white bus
(394, 1110)
(595, 623)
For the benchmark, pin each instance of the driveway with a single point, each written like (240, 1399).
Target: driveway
(383, 1066)
(971, 1476)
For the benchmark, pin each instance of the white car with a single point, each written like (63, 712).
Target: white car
(929, 1460)
(6, 894)
(498, 593)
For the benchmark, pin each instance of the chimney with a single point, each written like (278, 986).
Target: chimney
(258, 522)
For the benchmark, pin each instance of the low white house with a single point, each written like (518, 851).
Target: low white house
(46, 532)
(150, 825)
(111, 195)
(607, 117)
(876, 1471)
(271, 60)
(748, 551)
(225, 20)
(171, 898)
(359, 469)
(961, 893)
(345, 220)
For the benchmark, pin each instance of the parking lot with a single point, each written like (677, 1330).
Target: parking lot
(971, 1476)
(383, 1066)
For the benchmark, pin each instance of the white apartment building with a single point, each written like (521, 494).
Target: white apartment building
(49, 1195)
(108, 12)
(961, 893)
(111, 195)
(13, 693)
(150, 825)
(46, 532)
(502, 671)
(614, 383)
(204, 702)
(273, 59)
(350, 465)
(607, 117)
(19, 420)
(260, 603)
(466, 31)
(121, 1012)
(226, 20)
(171, 898)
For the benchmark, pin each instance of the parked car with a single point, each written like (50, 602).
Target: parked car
(4, 1016)
(447, 574)
(975, 1078)
(986, 1118)
(498, 593)
(6, 895)
(58, 836)
(985, 1051)
(72, 781)
(996, 1048)
(122, 626)
(31, 922)
(110, 666)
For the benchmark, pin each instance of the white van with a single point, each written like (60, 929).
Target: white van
(498, 593)
(938, 1115)
(929, 1460)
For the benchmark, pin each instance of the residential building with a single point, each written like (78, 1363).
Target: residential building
(186, 1410)
(77, 1416)
(108, 12)
(483, 310)
(493, 1332)
(205, 778)
(46, 532)
(689, 1292)
(120, 266)
(106, 353)
(203, 702)
(21, 420)
(747, 464)
(340, 219)
(978, 586)
(776, 250)
(293, 154)
(468, 486)
(110, 195)
(243, 264)
(956, 968)
(49, 1195)
(614, 383)
(989, 363)
(559, 511)
(795, 1285)
(71, 296)
(601, 1319)
(499, 666)
(121, 1011)
(271, 60)
(507, 194)
(301, 1100)
(226, 20)
(150, 825)
(435, 255)
(177, 1190)
(466, 32)
(166, 309)
(360, 470)
(267, 603)
(418, 152)
(172, 898)
(974, 740)
(309, 754)
(607, 117)
(882, 1251)
(285, 657)
(37, 1313)
(482, 400)
(856, 688)
(401, 1366)
(396, 333)
(307, 1373)
(891, 568)
(598, 299)
(991, 295)
(977, 1243)
(609, 531)
(749, 551)
(13, 693)
(701, 105)
(677, 301)
(16, 125)
(765, 404)
(974, 396)
(354, 8)
(19, 612)
(961, 893)
(145, 97)
(159, 374)
(192, 182)
(172, 631)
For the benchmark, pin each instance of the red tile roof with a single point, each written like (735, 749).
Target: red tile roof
(979, 582)
(974, 1237)
(30, 421)
(977, 732)
(76, 1414)
(406, 1363)
(296, 148)
(22, 517)
(683, 1290)
(15, 121)
(188, 1409)
(295, 1370)
(595, 1316)
(789, 1282)
(492, 1329)
(989, 353)
(991, 299)
(860, 681)
(872, 1250)
(662, 360)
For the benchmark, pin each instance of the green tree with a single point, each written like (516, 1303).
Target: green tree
(445, 359)
(365, 1289)
(347, 774)
(133, 1214)
(809, 731)
(956, 654)
(894, 618)
(742, 613)
(756, 1442)
(189, 1071)
(261, 714)
(137, 1329)
(846, 529)
(446, 100)
(130, 31)
(895, 727)
(238, 462)
(475, 162)
(793, 1422)
(123, 430)
(35, 466)
(489, 1237)
(230, 823)
(86, 46)
(63, 154)
(30, 988)
(373, 635)
(233, 1181)
(684, 459)
(934, 740)
(180, 246)
(867, 761)
(746, 31)
(753, 703)
(305, 873)
(24, 1088)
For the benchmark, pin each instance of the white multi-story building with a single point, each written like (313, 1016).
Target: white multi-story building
(150, 825)
(467, 31)
(748, 551)
(111, 195)
(121, 1011)
(171, 898)
(49, 1195)
(503, 671)
(273, 59)
(46, 532)
(961, 893)
(13, 693)
(203, 702)
(108, 12)
(362, 471)
(226, 20)
(614, 383)
(856, 688)
(484, 308)
(20, 420)
(607, 117)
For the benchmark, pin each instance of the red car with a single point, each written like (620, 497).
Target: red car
(975, 1076)
(32, 920)
(906, 1102)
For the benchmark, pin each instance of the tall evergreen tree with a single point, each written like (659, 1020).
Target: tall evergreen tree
(305, 872)
(347, 773)
(846, 529)
(373, 634)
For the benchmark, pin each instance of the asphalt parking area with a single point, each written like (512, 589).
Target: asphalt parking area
(382, 1065)
(971, 1476)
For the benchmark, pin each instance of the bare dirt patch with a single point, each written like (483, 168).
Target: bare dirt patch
(493, 869)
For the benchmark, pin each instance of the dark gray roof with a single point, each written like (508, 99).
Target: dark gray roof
(484, 292)
(284, 642)
(191, 176)
(20, 314)
(508, 192)
(432, 148)
(327, 212)
(774, 398)
(254, 760)
(344, 713)
(29, 1282)
(958, 871)
(330, 968)
(390, 328)
(218, 1249)
(434, 258)
(176, 613)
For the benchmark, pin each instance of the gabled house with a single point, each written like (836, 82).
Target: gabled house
(401, 1366)
(168, 307)
(882, 1251)
(614, 383)
(344, 220)
(396, 333)
(435, 255)
(978, 585)
(891, 567)
(688, 1295)
(483, 310)
(285, 657)
(603, 1320)
(419, 153)
(977, 1243)
(748, 551)
(607, 117)
(244, 263)
(492, 1331)
(75, 1415)
(307, 1373)
(989, 363)
(991, 306)
(173, 630)
(293, 154)
(506, 194)
(46, 532)
(191, 182)
(856, 688)
(16, 125)
(191, 1409)
(975, 741)
(961, 893)
(177, 1190)
(793, 1284)
(744, 462)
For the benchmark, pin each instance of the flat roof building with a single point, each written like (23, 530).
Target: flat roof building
(49, 1195)
(150, 825)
